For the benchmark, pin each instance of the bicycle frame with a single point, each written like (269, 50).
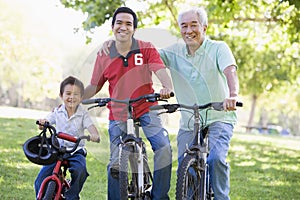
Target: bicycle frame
(58, 175)
(136, 142)
(195, 156)
(60, 169)
(132, 139)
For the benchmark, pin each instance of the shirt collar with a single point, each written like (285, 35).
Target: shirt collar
(134, 49)
(79, 110)
(199, 50)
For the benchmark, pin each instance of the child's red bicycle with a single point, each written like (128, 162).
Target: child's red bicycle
(45, 150)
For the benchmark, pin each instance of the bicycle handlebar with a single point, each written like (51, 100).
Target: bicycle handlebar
(103, 101)
(173, 107)
(63, 136)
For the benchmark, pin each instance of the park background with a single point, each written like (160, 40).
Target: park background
(43, 41)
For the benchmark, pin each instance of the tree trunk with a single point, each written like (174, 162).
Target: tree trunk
(252, 112)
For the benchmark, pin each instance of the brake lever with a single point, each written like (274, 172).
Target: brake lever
(165, 100)
(92, 107)
(160, 113)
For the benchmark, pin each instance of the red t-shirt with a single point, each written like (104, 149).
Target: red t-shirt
(128, 77)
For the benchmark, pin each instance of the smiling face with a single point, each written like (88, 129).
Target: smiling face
(71, 96)
(123, 28)
(192, 31)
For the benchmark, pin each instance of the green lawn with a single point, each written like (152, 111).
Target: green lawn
(262, 167)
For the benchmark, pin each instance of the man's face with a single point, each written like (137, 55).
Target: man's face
(123, 28)
(191, 30)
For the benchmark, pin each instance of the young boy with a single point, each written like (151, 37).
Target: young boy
(70, 117)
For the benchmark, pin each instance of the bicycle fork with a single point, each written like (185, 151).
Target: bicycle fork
(138, 154)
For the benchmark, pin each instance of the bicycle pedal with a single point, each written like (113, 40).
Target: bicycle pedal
(148, 190)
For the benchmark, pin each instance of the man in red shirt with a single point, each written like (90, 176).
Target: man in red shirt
(128, 69)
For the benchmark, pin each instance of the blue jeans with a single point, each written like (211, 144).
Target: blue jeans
(159, 140)
(77, 170)
(219, 139)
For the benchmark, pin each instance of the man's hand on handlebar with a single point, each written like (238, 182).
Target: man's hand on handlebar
(166, 93)
(229, 104)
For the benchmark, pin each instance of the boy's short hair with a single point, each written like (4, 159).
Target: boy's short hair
(72, 81)
(125, 10)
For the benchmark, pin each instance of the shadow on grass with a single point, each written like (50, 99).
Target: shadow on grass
(263, 170)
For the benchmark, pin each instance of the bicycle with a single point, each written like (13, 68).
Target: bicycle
(135, 176)
(193, 174)
(45, 150)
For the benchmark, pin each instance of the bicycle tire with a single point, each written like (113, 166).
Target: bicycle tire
(148, 179)
(190, 179)
(50, 191)
(127, 177)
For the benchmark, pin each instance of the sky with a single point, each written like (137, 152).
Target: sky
(49, 20)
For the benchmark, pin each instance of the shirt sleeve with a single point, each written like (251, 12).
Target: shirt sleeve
(225, 57)
(87, 121)
(163, 56)
(98, 78)
(51, 117)
(154, 60)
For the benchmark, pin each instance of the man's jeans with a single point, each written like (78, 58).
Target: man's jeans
(159, 140)
(77, 170)
(219, 139)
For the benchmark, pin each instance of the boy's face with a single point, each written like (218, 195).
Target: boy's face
(123, 27)
(71, 96)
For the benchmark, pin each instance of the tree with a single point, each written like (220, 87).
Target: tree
(26, 74)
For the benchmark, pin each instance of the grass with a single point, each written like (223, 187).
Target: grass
(262, 167)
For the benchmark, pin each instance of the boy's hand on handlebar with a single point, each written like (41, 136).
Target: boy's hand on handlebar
(94, 134)
(95, 138)
(165, 93)
(229, 104)
(42, 122)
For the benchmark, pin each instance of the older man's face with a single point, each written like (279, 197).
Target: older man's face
(192, 31)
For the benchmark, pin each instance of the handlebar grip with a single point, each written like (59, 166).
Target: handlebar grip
(239, 104)
(89, 101)
(157, 107)
(87, 137)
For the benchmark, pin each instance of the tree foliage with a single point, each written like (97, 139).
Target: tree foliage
(26, 75)
(263, 34)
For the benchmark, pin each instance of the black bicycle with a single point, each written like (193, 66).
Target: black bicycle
(135, 176)
(193, 174)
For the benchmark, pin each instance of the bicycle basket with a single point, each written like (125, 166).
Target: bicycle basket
(39, 150)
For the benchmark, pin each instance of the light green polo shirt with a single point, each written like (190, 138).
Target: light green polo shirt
(200, 79)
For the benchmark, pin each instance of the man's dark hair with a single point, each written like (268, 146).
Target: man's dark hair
(72, 81)
(125, 10)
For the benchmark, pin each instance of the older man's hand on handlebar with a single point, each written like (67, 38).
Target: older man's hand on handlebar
(104, 50)
(229, 104)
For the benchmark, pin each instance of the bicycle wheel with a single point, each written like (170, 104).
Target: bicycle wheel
(127, 173)
(190, 180)
(148, 179)
(50, 191)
